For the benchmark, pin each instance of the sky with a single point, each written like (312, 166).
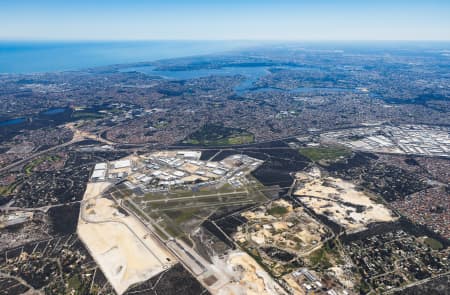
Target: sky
(317, 20)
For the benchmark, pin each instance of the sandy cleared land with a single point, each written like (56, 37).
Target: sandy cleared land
(120, 244)
(246, 277)
(94, 189)
(294, 285)
(346, 280)
(294, 231)
(339, 200)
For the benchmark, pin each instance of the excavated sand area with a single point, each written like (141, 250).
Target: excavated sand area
(94, 189)
(338, 200)
(120, 244)
(249, 277)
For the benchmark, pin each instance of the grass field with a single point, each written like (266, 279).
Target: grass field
(226, 188)
(433, 244)
(6, 190)
(278, 210)
(179, 212)
(216, 135)
(33, 164)
(316, 154)
(233, 140)
(319, 258)
(181, 216)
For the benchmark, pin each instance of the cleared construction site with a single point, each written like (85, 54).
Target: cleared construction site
(122, 246)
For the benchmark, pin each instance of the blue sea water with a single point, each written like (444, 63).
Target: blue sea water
(32, 57)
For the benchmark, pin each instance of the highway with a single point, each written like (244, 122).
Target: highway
(24, 160)
(77, 137)
(42, 209)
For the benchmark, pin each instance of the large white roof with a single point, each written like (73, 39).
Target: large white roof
(99, 174)
(122, 164)
(100, 166)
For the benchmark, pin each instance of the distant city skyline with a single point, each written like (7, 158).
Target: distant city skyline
(321, 20)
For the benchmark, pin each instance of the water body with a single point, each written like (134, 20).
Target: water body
(306, 90)
(54, 111)
(49, 112)
(12, 122)
(32, 57)
(252, 74)
(48, 118)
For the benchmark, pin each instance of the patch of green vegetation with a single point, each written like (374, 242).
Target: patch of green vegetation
(154, 196)
(134, 209)
(213, 202)
(6, 190)
(327, 256)
(433, 244)
(173, 194)
(254, 253)
(178, 216)
(172, 231)
(227, 188)
(77, 286)
(29, 167)
(186, 239)
(160, 233)
(161, 124)
(74, 282)
(363, 287)
(321, 257)
(33, 164)
(278, 210)
(184, 215)
(211, 134)
(316, 154)
(242, 139)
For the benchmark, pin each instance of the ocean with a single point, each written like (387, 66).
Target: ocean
(36, 57)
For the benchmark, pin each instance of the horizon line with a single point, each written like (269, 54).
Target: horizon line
(221, 40)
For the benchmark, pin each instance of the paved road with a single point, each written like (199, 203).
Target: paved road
(77, 137)
(21, 281)
(42, 209)
(24, 160)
